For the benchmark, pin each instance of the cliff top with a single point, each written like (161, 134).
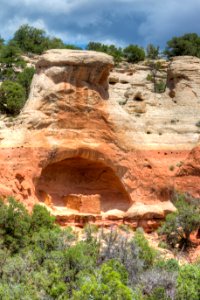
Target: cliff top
(60, 57)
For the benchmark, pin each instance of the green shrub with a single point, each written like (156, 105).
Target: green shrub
(134, 53)
(41, 218)
(25, 77)
(106, 283)
(146, 253)
(14, 225)
(12, 97)
(158, 293)
(11, 54)
(180, 224)
(160, 86)
(170, 265)
(30, 39)
(188, 284)
(10, 61)
(150, 77)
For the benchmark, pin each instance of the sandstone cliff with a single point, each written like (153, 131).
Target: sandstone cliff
(104, 153)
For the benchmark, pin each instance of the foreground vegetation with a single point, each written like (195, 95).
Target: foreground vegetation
(39, 260)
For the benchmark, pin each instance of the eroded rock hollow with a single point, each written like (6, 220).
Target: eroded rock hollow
(82, 185)
(105, 154)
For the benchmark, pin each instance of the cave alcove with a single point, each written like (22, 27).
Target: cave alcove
(81, 185)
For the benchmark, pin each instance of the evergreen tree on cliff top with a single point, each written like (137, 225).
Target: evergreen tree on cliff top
(35, 40)
(188, 44)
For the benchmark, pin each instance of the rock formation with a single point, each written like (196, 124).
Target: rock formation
(103, 153)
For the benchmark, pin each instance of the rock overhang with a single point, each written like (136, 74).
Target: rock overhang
(67, 57)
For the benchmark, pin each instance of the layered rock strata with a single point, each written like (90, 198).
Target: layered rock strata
(105, 154)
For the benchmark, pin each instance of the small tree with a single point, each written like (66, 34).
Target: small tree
(188, 44)
(155, 69)
(12, 97)
(14, 225)
(10, 61)
(41, 218)
(152, 51)
(180, 224)
(134, 53)
(31, 39)
(35, 40)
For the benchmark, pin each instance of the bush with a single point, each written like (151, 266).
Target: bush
(11, 54)
(134, 53)
(106, 283)
(14, 225)
(41, 218)
(146, 253)
(10, 61)
(158, 293)
(169, 265)
(160, 86)
(188, 284)
(25, 77)
(180, 224)
(12, 97)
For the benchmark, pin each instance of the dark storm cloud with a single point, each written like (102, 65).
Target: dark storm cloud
(119, 21)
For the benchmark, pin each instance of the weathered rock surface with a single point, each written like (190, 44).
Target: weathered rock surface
(103, 153)
(167, 120)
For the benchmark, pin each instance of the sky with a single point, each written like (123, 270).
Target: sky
(121, 22)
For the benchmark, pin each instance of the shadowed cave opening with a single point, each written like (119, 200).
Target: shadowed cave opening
(82, 185)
